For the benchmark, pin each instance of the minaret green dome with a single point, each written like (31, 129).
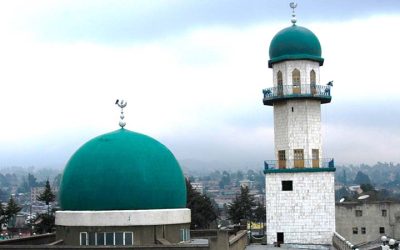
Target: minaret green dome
(295, 43)
(122, 170)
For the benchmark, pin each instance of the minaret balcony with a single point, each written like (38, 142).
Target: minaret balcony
(299, 165)
(303, 91)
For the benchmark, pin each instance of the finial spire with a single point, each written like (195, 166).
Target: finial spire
(293, 5)
(122, 104)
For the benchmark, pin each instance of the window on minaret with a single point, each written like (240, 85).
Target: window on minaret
(287, 185)
(299, 158)
(312, 77)
(296, 81)
(315, 158)
(279, 78)
(313, 82)
(280, 83)
(282, 159)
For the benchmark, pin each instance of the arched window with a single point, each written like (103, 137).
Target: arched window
(296, 77)
(279, 78)
(280, 83)
(296, 81)
(313, 82)
(313, 77)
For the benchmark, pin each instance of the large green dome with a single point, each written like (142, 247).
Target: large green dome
(295, 43)
(122, 170)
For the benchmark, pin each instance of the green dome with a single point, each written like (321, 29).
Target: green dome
(295, 43)
(122, 170)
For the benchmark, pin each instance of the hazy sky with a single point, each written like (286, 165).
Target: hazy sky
(192, 72)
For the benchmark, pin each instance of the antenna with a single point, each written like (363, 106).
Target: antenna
(122, 104)
(293, 5)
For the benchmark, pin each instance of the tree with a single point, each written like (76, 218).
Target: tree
(2, 215)
(32, 181)
(362, 178)
(260, 214)
(11, 210)
(47, 196)
(203, 212)
(241, 207)
(225, 180)
(44, 223)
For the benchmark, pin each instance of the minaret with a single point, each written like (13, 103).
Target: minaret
(300, 200)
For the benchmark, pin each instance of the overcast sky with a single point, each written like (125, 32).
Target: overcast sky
(192, 72)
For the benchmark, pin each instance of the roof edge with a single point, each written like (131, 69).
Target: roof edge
(274, 60)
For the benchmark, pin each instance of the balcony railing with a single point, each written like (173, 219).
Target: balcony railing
(311, 91)
(325, 163)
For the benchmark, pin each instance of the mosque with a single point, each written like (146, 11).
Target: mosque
(125, 188)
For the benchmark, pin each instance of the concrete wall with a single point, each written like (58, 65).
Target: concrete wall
(142, 235)
(31, 240)
(177, 247)
(371, 220)
(218, 240)
(305, 215)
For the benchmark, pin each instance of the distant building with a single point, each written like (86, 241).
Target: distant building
(361, 222)
(198, 186)
(300, 195)
(35, 192)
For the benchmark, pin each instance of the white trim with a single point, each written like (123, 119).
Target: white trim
(86, 239)
(123, 217)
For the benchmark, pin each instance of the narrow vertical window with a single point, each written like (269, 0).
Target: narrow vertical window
(282, 159)
(280, 83)
(299, 158)
(313, 77)
(315, 158)
(381, 230)
(313, 82)
(128, 238)
(296, 81)
(92, 238)
(279, 78)
(83, 239)
(384, 212)
(119, 238)
(363, 230)
(109, 239)
(100, 239)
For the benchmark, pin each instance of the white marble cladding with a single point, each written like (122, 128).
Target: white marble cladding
(123, 217)
(305, 215)
(297, 125)
(287, 67)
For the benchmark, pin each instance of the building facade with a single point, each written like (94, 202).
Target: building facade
(361, 222)
(299, 181)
